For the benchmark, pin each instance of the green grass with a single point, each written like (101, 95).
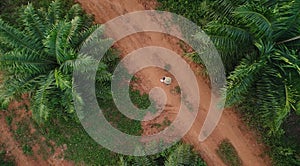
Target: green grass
(142, 101)
(83, 149)
(164, 124)
(176, 90)
(193, 10)
(27, 138)
(121, 122)
(4, 159)
(80, 147)
(228, 154)
(8, 120)
(27, 150)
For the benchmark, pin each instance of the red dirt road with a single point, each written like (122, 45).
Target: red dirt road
(230, 126)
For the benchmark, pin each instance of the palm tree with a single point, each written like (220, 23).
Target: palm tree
(183, 155)
(260, 38)
(180, 155)
(40, 57)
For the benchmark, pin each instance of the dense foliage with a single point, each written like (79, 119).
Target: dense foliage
(10, 10)
(259, 44)
(39, 58)
(179, 154)
(263, 35)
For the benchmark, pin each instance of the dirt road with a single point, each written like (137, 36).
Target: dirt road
(230, 126)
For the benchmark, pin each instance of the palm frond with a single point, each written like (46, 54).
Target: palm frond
(298, 108)
(62, 81)
(23, 63)
(89, 38)
(223, 9)
(82, 63)
(293, 43)
(14, 86)
(265, 47)
(40, 107)
(224, 44)
(240, 81)
(274, 105)
(55, 12)
(236, 33)
(142, 161)
(68, 100)
(75, 11)
(75, 32)
(287, 60)
(40, 58)
(34, 25)
(287, 24)
(259, 25)
(56, 42)
(122, 162)
(183, 155)
(84, 35)
(15, 38)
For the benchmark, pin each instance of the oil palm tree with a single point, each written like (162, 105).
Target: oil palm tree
(40, 57)
(180, 155)
(183, 155)
(260, 38)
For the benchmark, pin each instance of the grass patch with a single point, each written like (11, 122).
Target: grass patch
(176, 90)
(194, 10)
(228, 154)
(164, 124)
(8, 120)
(4, 159)
(24, 137)
(27, 150)
(142, 101)
(81, 148)
(121, 122)
(28, 138)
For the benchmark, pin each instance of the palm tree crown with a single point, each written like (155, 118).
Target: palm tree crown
(262, 39)
(41, 56)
